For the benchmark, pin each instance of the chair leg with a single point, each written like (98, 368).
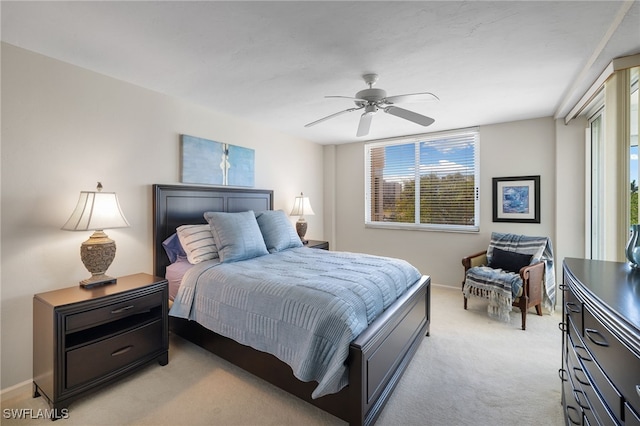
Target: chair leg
(539, 309)
(463, 296)
(522, 304)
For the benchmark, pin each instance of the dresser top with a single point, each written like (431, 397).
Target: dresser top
(614, 284)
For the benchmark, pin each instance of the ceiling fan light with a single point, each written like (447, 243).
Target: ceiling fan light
(372, 95)
(370, 109)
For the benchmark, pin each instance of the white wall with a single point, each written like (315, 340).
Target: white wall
(570, 195)
(65, 128)
(508, 149)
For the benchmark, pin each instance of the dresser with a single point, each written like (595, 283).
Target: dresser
(600, 370)
(84, 339)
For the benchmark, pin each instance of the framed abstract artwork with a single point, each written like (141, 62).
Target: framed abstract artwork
(216, 163)
(516, 199)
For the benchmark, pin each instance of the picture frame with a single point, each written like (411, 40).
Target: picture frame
(516, 199)
(210, 162)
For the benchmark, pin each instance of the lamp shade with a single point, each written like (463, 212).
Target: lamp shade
(96, 211)
(301, 206)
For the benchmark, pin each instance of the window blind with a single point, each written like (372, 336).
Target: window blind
(426, 181)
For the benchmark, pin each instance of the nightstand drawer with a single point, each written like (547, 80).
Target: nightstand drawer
(113, 312)
(100, 358)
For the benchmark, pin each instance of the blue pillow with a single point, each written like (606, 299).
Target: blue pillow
(173, 248)
(277, 231)
(237, 235)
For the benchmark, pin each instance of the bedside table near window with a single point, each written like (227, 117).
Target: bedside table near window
(84, 339)
(322, 245)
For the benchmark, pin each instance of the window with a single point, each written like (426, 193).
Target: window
(633, 142)
(612, 172)
(595, 196)
(426, 182)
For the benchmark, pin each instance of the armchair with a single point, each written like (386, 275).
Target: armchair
(511, 272)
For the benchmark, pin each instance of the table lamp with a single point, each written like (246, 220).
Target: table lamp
(97, 211)
(301, 207)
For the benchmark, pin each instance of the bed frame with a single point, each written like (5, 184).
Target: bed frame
(377, 358)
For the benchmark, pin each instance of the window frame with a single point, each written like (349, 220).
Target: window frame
(417, 139)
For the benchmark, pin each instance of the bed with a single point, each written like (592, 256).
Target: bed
(377, 357)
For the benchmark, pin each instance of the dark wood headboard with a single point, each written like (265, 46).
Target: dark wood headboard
(175, 205)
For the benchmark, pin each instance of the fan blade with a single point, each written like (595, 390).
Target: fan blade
(331, 116)
(411, 97)
(346, 97)
(365, 124)
(420, 119)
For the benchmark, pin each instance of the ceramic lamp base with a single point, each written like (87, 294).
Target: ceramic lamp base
(301, 229)
(97, 254)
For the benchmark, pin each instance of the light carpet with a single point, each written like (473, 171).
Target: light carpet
(471, 370)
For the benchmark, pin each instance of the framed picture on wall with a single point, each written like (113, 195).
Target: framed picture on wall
(215, 163)
(516, 199)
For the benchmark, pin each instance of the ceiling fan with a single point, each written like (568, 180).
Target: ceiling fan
(372, 100)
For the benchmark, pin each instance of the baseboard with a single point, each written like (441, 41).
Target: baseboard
(448, 287)
(16, 390)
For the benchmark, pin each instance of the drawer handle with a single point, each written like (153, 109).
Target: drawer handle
(562, 326)
(581, 380)
(118, 311)
(577, 397)
(563, 374)
(600, 342)
(573, 308)
(122, 350)
(570, 410)
(580, 355)
(563, 287)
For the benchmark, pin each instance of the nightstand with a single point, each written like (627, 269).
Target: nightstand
(84, 339)
(323, 245)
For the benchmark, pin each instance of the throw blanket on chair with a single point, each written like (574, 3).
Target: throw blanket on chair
(501, 287)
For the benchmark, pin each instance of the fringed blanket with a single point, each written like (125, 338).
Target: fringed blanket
(501, 287)
(495, 285)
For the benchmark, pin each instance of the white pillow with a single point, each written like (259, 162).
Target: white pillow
(197, 242)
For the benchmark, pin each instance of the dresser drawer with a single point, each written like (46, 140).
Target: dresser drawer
(577, 398)
(573, 308)
(100, 358)
(590, 374)
(575, 337)
(621, 365)
(631, 418)
(113, 312)
(573, 412)
(612, 399)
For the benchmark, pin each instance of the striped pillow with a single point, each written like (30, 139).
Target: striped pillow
(197, 242)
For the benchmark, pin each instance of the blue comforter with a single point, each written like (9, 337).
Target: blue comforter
(302, 305)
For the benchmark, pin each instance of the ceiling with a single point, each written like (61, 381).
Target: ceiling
(273, 63)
